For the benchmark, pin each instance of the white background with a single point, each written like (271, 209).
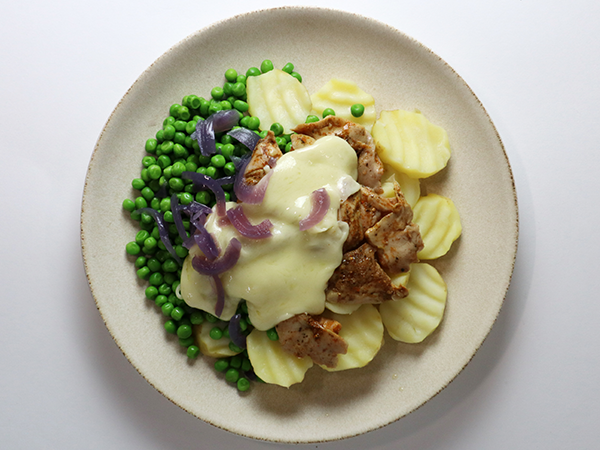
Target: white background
(534, 384)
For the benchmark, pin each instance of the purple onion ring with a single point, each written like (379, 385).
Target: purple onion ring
(320, 206)
(241, 223)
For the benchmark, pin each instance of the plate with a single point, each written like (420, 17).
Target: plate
(401, 74)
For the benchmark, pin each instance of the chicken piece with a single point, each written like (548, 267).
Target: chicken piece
(301, 141)
(266, 153)
(361, 211)
(315, 336)
(360, 279)
(370, 167)
(397, 243)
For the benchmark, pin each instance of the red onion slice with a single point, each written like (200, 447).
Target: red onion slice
(216, 123)
(245, 137)
(320, 206)
(220, 296)
(241, 223)
(177, 219)
(162, 230)
(235, 331)
(203, 181)
(222, 264)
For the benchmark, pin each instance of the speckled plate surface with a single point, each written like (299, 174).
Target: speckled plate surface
(401, 74)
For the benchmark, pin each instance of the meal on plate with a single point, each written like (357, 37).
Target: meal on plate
(279, 230)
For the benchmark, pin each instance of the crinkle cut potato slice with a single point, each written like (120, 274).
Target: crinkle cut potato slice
(363, 332)
(410, 143)
(276, 96)
(412, 318)
(439, 224)
(340, 95)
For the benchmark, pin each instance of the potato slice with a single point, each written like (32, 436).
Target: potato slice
(276, 96)
(340, 95)
(410, 187)
(363, 332)
(409, 143)
(439, 223)
(414, 317)
(272, 363)
(215, 348)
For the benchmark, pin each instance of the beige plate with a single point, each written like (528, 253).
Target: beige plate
(400, 73)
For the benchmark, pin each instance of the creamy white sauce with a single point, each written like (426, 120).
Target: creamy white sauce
(287, 273)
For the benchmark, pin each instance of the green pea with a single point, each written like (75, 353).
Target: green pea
(140, 202)
(272, 334)
(221, 365)
(176, 184)
(151, 145)
(151, 292)
(143, 273)
(235, 361)
(203, 197)
(266, 66)
(232, 375)
(218, 161)
(163, 161)
(184, 331)
(328, 112)
(193, 351)
(312, 118)
(170, 265)
(177, 314)
(211, 171)
(167, 147)
(181, 251)
(168, 216)
(357, 110)
(168, 132)
(154, 264)
(281, 142)
(159, 137)
(297, 76)
(169, 120)
(241, 79)
(184, 113)
(178, 169)
(167, 309)
(277, 129)
(138, 183)
(216, 333)
(150, 242)
(174, 109)
(147, 161)
(147, 193)
(231, 75)
(288, 147)
(193, 102)
(253, 72)
(238, 89)
(217, 93)
(210, 318)
(164, 288)
(289, 68)
(214, 108)
(170, 327)
(241, 106)
(140, 261)
(156, 279)
(253, 123)
(186, 198)
(197, 317)
(129, 205)
(243, 384)
(229, 169)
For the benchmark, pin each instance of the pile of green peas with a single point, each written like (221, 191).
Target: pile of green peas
(169, 153)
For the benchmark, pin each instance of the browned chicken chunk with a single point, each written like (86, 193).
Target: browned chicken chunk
(315, 336)
(361, 211)
(370, 167)
(397, 245)
(266, 153)
(301, 140)
(360, 279)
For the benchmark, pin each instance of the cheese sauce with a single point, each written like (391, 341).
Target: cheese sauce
(287, 273)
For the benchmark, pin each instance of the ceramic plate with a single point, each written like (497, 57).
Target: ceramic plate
(401, 74)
